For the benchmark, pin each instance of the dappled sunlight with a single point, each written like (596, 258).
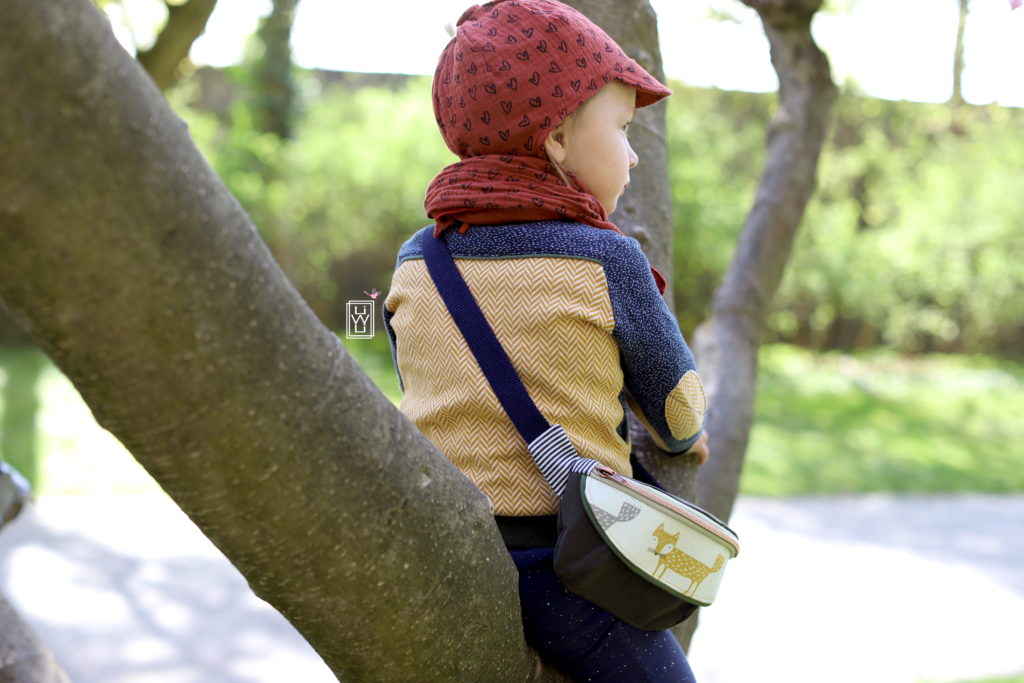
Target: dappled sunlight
(125, 588)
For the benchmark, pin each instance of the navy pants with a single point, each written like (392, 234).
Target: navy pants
(585, 641)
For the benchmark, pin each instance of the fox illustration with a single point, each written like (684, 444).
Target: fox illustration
(687, 566)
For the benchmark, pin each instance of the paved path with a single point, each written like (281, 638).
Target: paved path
(875, 589)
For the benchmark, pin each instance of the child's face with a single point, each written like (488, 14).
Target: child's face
(593, 144)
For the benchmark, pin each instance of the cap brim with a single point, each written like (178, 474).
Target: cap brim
(648, 88)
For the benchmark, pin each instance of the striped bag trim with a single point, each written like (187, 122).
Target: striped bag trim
(557, 458)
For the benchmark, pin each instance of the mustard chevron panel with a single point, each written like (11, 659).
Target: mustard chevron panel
(554, 318)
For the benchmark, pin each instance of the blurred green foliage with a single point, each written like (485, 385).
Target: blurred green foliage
(336, 202)
(883, 421)
(913, 240)
(20, 372)
(716, 148)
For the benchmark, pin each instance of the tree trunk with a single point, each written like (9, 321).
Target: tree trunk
(23, 658)
(185, 23)
(273, 86)
(645, 211)
(727, 343)
(957, 98)
(125, 257)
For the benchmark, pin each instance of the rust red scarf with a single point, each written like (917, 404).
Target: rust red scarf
(491, 189)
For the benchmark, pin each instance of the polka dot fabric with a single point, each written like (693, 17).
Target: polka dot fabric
(513, 72)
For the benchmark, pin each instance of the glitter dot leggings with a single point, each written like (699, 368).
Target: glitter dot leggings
(584, 640)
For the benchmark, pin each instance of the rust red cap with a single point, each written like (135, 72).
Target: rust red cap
(516, 68)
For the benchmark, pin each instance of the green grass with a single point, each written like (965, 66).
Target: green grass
(825, 424)
(835, 423)
(378, 365)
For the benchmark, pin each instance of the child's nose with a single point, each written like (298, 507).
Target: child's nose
(633, 158)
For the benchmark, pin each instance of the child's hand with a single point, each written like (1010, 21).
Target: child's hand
(700, 449)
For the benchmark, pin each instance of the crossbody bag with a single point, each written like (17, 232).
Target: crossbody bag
(645, 555)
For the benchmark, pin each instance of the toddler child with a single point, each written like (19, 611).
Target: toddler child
(536, 100)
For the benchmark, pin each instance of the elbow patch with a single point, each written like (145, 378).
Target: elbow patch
(685, 406)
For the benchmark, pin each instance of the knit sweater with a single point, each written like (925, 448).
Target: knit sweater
(579, 314)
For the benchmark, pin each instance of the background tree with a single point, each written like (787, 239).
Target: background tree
(186, 21)
(727, 342)
(957, 98)
(645, 210)
(273, 86)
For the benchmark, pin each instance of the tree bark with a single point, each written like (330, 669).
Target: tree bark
(23, 658)
(727, 343)
(185, 23)
(128, 261)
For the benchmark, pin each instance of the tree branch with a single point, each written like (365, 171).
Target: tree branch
(185, 23)
(23, 658)
(645, 210)
(727, 343)
(129, 262)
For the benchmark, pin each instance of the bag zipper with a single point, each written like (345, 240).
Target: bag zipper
(680, 507)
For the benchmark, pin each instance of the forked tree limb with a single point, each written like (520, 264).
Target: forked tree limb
(185, 22)
(727, 343)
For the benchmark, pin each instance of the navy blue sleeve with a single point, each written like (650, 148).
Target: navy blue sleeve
(660, 375)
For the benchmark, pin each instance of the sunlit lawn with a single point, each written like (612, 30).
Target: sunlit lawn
(883, 422)
(825, 424)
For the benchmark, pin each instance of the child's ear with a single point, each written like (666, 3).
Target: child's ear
(555, 145)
